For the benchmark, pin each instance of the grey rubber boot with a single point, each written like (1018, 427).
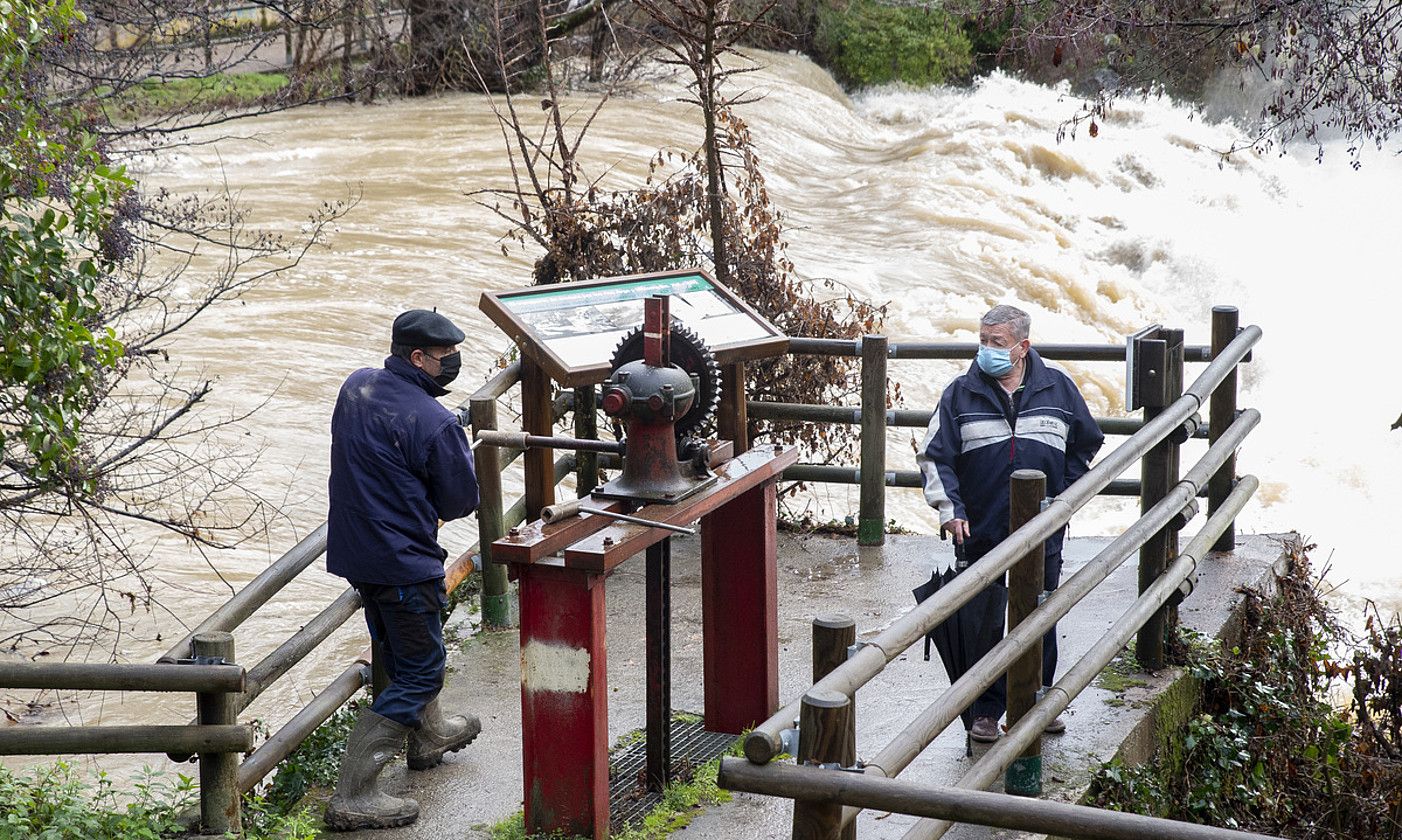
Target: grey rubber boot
(437, 735)
(358, 802)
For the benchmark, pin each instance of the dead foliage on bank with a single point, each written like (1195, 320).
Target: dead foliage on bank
(1300, 729)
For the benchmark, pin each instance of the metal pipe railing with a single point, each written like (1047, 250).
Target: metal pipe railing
(299, 644)
(763, 742)
(1088, 667)
(281, 744)
(835, 474)
(121, 676)
(907, 418)
(70, 740)
(920, 733)
(965, 350)
(972, 806)
(258, 591)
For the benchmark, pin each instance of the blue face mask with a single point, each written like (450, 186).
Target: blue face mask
(993, 361)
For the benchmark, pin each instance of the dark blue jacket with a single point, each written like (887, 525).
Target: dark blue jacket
(978, 438)
(399, 463)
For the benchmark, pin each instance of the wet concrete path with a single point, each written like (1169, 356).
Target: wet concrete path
(818, 575)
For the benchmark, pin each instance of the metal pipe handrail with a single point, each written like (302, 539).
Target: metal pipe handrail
(843, 474)
(911, 418)
(145, 738)
(257, 593)
(965, 350)
(986, 770)
(299, 644)
(999, 810)
(495, 387)
(135, 676)
(938, 715)
(281, 744)
(763, 742)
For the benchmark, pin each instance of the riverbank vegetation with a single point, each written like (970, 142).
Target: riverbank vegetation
(1299, 732)
(868, 42)
(105, 443)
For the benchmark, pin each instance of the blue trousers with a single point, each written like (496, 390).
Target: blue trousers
(993, 702)
(405, 621)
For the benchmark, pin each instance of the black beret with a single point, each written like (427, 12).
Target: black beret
(422, 328)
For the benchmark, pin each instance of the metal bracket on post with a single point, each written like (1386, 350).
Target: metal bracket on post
(203, 660)
(788, 739)
(1181, 519)
(1188, 430)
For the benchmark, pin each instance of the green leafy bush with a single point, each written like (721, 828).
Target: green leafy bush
(63, 209)
(54, 803)
(867, 42)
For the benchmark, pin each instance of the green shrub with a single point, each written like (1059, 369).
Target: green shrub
(315, 763)
(867, 42)
(52, 802)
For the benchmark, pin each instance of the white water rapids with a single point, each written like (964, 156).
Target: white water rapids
(939, 202)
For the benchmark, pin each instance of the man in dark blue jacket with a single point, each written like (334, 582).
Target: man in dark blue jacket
(400, 463)
(1009, 411)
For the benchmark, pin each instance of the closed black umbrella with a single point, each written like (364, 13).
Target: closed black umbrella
(964, 637)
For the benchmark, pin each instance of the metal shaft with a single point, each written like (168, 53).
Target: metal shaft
(557, 513)
(522, 440)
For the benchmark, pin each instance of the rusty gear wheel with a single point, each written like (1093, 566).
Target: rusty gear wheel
(692, 355)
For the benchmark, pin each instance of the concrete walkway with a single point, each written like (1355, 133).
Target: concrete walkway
(817, 575)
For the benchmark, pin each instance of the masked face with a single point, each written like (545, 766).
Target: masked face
(999, 350)
(994, 361)
(448, 366)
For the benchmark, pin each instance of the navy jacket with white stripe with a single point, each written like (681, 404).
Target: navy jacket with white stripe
(971, 449)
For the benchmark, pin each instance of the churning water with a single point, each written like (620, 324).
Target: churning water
(939, 203)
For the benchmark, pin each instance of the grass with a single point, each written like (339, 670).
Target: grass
(1121, 674)
(221, 91)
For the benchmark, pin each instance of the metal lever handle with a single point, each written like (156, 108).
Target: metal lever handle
(557, 513)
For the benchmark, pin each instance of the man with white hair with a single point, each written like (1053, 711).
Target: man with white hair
(1009, 411)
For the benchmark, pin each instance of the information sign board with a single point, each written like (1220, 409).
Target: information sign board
(572, 329)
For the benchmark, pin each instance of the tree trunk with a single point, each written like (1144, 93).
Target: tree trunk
(714, 197)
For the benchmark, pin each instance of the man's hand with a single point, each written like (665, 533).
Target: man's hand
(958, 527)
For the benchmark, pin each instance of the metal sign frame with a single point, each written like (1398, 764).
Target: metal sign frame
(599, 310)
(1134, 390)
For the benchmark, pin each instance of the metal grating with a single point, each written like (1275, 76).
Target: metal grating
(629, 798)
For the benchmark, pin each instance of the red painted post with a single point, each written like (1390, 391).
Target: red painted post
(739, 611)
(564, 701)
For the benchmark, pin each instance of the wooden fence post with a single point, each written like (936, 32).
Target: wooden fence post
(871, 515)
(823, 738)
(1026, 580)
(496, 589)
(1222, 411)
(219, 772)
(1161, 373)
(832, 636)
(586, 425)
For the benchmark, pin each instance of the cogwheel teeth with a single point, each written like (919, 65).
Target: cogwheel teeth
(690, 353)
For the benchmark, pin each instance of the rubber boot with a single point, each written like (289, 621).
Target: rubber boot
(358, 802)
(437, 735)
